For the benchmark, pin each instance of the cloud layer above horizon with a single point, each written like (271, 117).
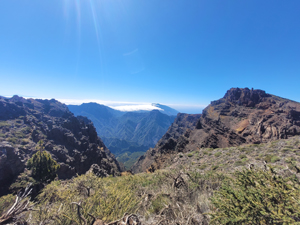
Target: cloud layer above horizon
(129, 106)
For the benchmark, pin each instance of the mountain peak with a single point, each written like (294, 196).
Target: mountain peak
(243, 96)
(166, 109)
(242, 116)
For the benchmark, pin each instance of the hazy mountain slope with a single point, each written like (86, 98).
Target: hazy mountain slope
(73, 142)
(126, 132)
(150, 128)
(104, 118)
(166, 109)
(242, 116)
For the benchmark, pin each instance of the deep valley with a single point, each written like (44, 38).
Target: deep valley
(243, 149)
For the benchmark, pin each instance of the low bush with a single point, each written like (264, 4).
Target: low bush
(218, 154)
(257, 197)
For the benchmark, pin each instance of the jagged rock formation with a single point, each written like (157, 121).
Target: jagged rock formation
(242, 116)
(72, 141)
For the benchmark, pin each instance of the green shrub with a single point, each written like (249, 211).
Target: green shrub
(214, 167)
(4, 124)
(239, 163)
(26, 130)
(42, 165)
(106, 198)
(285, 150)
(257, 197)
(244, 160)
(202, 167)
(158, 204)
(190, 154)
(20, 134)
(18, 121)
(243, 156)
(275, 159)
(290, 159)
(268, 158)
(21, 182)
(5, 202)
(13, 140)
(218, 154)
(25, 141)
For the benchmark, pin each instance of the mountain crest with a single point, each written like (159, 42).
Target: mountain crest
(71, 141)
(242, 116)
(243, 97)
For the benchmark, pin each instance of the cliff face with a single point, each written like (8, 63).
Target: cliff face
(72, 141)
(247, 116)
(242, 116)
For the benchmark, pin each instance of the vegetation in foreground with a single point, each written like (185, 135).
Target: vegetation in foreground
(249, 196)
(185, 194)
(257, 196)
(159, 198)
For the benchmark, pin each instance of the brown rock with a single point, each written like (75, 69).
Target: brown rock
(241, 116)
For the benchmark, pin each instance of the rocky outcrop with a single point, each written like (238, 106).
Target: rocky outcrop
(11, 164)
(242, 116)
(72, 141)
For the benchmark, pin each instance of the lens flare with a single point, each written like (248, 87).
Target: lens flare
(95, 21)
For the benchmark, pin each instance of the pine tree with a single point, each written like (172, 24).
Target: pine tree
(42, 166)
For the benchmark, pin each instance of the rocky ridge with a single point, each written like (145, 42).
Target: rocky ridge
(72, 141)
(242, 116)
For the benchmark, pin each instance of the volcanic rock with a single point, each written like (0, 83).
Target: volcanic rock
(72, 141)
(242, 116)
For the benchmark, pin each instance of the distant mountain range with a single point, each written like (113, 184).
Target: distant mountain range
(125, 133)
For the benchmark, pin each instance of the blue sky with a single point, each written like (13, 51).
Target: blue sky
(182, 53)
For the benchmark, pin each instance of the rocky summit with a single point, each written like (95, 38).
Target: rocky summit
(72, 141)
(242, 116)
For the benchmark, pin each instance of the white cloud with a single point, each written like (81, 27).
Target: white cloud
(129, 108)
(102, 102)
(122, 106)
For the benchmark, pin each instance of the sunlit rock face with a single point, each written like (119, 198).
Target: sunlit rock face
(242, 116)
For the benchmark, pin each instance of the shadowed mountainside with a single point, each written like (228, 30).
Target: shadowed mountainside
(73, 142)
